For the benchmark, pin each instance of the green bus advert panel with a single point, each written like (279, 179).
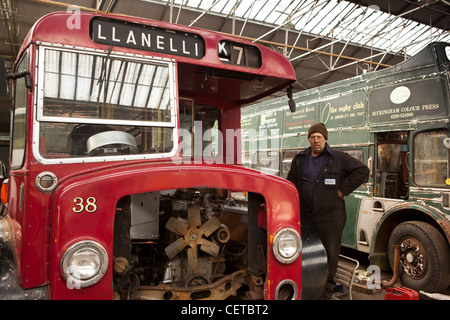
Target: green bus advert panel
(422, 99)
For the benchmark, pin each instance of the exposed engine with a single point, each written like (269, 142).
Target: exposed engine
(185, 244)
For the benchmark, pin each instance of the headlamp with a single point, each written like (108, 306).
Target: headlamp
(84, 264)
(287, 245)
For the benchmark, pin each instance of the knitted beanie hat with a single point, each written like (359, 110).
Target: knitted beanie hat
(318, 127)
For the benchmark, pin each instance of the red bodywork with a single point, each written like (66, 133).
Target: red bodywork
(45, 224)
(109, 186)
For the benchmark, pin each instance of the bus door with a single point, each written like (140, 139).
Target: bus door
(391, 171)
(390, 174)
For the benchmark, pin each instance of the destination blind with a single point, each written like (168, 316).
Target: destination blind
(148, 38)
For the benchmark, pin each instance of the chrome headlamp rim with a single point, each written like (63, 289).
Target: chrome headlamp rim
(73, 280)
(276, 240)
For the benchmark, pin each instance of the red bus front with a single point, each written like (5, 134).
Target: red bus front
(124, 178)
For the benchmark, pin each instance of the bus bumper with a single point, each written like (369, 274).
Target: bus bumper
(10, 288)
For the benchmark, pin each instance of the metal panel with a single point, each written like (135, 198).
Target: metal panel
(145, 216)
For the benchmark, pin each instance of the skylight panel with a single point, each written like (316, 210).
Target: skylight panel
(194, 3)
(222, 6)
(411, 29)
(227, 7)
(311, 27)
(243, 8)
(257, 5)
(263, 11)
(335, 11)
(338, 19)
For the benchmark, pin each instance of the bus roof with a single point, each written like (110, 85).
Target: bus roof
(435, 55)
(207, 50)
(416, 89)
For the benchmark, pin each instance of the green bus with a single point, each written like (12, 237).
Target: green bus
(396, 121)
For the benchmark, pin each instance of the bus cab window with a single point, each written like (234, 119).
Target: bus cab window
(200, 125)
(392, 171)
(86, 94)
(19, 118)
(431, 159)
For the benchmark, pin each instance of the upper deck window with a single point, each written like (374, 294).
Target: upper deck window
(84, 93)
(79, 85)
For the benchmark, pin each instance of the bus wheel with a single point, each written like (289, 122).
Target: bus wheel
(424, 256)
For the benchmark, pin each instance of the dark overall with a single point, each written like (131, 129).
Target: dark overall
(326, 214)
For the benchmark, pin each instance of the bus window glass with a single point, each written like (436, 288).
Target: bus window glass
(430, 159)
(80, 85)
(356, 153)
(20, 116)
(98, 105)
(203, 120)
(391, 176)
(186, 127)
(286, 161)
(69, 140)
(209, 118)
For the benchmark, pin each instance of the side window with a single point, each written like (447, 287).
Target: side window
(287, 157)
(200, 130)
(209, 118)
(356, 153)
(431, 159)
(19, 127)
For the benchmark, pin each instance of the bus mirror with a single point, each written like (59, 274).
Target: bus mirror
(447, 143)
(23, 74)
(292, 105)
(3, 79)
(4, 76)
(28, 81)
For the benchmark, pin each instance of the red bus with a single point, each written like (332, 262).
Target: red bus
(125, 155)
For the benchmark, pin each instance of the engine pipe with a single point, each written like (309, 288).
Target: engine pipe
(396, 271)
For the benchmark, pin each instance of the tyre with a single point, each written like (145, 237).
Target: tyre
(424, 256)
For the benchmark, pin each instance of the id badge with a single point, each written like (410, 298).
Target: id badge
(330, 182)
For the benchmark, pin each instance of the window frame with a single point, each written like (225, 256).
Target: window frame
(20, 162)
(40, 117)
(214, 146)
(414, 165)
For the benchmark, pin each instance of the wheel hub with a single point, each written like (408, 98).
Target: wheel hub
(413, 258)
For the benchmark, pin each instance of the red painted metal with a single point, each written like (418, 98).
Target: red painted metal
(53, 29)
(401, 293)
(111, 184)
(45, 224)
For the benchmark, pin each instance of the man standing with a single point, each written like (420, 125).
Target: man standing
(323, 176)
